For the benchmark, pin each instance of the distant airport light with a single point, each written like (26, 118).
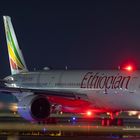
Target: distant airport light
(131, 113)
(44, 129)
(73, 118)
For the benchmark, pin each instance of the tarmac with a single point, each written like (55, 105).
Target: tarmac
(16, 128)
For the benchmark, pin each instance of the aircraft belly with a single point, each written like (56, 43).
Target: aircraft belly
(115, 101)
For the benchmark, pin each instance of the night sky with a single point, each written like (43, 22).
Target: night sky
(96, 34)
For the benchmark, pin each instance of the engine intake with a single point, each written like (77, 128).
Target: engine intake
(39, 108)
(34, 108)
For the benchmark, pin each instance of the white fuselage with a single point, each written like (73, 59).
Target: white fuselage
(110, 90)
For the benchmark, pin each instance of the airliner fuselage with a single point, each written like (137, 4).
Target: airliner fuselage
(109, 90)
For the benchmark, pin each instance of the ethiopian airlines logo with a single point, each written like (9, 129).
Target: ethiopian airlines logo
(102, 81)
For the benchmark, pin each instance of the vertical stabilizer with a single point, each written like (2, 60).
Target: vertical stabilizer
(17, 63)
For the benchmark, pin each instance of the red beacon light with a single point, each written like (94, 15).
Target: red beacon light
(129, 68)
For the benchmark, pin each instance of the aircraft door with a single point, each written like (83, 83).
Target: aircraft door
(133, 85)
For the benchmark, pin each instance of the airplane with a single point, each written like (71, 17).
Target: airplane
(72, 90)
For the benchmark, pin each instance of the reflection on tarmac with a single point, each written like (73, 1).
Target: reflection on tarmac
(66, 138)
(69, 138)
(13, 131)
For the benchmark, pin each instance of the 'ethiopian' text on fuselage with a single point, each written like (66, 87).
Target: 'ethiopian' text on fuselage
(101, 81)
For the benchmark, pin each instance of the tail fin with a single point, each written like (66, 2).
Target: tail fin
(17, 63)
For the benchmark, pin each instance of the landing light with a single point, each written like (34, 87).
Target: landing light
(13, 107)
(89, 113)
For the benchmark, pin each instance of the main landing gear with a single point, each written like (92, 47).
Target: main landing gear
(112, 120)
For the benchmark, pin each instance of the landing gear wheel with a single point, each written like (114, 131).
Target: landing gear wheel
(112, 122)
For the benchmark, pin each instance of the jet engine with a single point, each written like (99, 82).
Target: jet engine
(34, 108)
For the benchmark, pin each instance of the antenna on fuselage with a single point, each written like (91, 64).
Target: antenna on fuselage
(66, 67)
(119, 67)
(46, 68)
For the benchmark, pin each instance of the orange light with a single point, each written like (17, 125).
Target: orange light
(89, 113)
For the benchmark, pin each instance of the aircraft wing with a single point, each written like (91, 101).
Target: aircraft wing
(9, 90)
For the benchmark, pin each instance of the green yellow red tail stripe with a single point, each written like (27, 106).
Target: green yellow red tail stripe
(16, 59)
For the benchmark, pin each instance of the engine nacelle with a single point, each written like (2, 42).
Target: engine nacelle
(34, 108)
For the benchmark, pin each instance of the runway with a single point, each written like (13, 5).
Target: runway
(19, 131)
(15, 128)
(64, 130)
